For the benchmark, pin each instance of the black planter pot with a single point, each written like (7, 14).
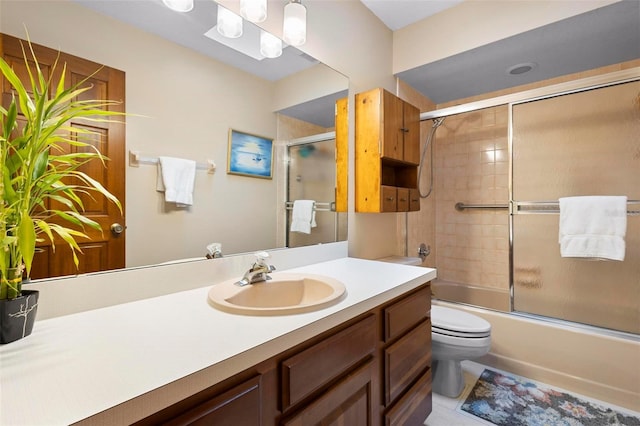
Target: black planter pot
(17, 316)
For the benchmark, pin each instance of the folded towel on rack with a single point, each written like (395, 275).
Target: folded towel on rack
(303, 216)
(176, 177)
(593, 227)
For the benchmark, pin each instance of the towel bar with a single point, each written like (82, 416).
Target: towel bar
(135, 159)
(552, 207)
(461, 206)
(319, 207)
(532, 207)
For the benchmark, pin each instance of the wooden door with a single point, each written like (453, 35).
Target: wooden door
(103, 250)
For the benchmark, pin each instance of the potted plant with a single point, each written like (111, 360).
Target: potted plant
(41, 184)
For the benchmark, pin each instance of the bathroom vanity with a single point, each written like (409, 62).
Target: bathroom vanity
(177, 359)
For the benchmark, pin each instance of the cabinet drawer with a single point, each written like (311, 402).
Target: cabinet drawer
(318, 365)
(414, 407)
(388, 198)
(403, 200)
(238, 406)
(406, 313)
(347, 403)
(405, 360)
(414, 200)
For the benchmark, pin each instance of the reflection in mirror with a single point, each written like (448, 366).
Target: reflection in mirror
(186, 92)
(311, 175)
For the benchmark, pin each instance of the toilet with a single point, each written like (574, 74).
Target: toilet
(455, 336)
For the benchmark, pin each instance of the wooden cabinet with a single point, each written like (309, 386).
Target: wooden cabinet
(372, 370)
(406, 356)
(387, 153)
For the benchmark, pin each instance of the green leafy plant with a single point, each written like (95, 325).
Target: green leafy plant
(40, 171)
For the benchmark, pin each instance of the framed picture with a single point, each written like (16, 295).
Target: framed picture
(250, 155)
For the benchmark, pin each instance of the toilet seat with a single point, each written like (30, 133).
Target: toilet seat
(456, 323)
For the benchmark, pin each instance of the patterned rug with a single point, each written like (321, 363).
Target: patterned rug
(507, 400)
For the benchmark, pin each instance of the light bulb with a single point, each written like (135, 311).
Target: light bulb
(229, 24)
(270, 45)
(253, 10)
(179, 5)
(294, 30)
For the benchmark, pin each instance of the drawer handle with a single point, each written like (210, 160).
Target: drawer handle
(389, 198)
(403, 199)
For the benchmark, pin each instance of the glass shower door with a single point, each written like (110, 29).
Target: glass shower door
(585, 143)
(312, 176)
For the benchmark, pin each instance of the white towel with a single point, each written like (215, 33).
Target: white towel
(593, 227)
(303, 216)
(176, 178)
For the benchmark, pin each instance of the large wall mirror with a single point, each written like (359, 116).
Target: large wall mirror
(187, 91)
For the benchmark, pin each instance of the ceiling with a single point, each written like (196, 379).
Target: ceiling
(604, 36)
(601, 37)
(397, 14)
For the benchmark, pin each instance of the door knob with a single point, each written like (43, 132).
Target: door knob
(116, 229)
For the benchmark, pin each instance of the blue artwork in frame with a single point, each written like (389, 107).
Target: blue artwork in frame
(250, 155)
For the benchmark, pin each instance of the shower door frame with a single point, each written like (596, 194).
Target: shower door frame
(566, 88)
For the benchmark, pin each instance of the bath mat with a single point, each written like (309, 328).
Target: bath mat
(508, 400)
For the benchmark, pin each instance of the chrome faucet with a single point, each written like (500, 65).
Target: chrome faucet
(259, 271)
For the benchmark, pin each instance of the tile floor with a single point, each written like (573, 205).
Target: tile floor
(444, 409)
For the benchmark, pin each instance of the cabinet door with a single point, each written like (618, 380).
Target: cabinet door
(411, 132)
(240, 405)
(342, 155)
(347, 403)
(388, 199)
(393, 127)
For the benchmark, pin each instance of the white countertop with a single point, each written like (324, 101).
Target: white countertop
(76, 366)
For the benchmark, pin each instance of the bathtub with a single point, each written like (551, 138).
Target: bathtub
(580, 359)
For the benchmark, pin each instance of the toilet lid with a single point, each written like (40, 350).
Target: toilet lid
(458, 323)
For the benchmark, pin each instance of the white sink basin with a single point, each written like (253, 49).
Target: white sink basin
(284, 294)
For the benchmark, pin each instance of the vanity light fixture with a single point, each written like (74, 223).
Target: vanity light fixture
(253, 10)
(179, 5)
(270, 45)
(229, 24)
(294, 30)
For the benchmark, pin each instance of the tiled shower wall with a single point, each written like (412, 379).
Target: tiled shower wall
(470, 248)
(471, 166)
